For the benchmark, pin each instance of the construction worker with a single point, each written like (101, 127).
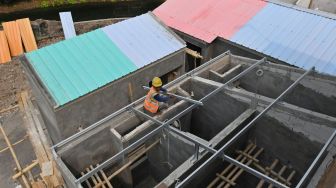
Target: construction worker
(155, 100)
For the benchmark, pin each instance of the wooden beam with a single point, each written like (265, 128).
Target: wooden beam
(130, 162)
(8, 109)
(226, 179)
(238, 158)
(28, 168)
(86, 181)
(247, 164)
(105, 178)
(268, 171)
(236, 168)
(39, 140)
(98, 178)
(194, 53)
(16, 143)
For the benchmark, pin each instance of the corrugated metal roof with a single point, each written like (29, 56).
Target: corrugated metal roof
(147, 43)
(67, 25)
(77, 66)
(206, 20)
(292, 35)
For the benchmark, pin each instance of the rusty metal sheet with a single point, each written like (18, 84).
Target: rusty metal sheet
(27, 34)
(4, 49)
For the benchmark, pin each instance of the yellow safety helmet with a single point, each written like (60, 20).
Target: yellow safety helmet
(156, 82)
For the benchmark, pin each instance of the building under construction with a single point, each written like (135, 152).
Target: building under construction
(244, 123)
(240, 115)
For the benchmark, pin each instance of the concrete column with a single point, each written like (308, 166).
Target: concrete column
(125, 175)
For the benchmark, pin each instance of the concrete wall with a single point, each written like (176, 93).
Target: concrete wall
(171, 153)
(291, 148)
(316, 93)
(215, 115)
(86, 110)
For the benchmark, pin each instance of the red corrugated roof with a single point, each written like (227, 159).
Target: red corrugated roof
(208, 19)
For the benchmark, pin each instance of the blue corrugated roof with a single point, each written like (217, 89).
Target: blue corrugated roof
(75, 67)
(143, 39)
(296, 37)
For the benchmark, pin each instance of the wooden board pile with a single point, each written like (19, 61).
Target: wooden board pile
(11, 38)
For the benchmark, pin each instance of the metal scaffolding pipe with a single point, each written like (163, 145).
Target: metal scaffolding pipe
(316, 160)
(124, 109)
(225, 146)
(158, 129)
(213, 151)
(179, 97)
(254, 172)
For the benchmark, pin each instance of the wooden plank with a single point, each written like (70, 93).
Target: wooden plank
(47, 169)
(27, 34)
(4, 49)
(12, 32)
(41, 148)
(38, 184)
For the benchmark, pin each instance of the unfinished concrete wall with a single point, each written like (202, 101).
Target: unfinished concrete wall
(215, 115)
(171, 153)
(316, 93)
(292, 148)
(84, 111)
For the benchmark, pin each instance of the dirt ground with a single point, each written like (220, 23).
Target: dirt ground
(12, 82)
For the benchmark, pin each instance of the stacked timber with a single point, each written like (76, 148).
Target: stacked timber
(11, 38)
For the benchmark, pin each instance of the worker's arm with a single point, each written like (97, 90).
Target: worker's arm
(161, 98)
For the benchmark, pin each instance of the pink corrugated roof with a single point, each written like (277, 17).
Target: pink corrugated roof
(207, 19)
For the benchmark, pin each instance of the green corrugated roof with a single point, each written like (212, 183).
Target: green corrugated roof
(75, 67)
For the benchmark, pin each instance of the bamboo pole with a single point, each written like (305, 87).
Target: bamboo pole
(247, 164)
(16, 143)
(8, 109)
(98, 178)
(24, 178)
(28, 168)
(236, 168)
(268, 171)
(229, 167)
(130, 162)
